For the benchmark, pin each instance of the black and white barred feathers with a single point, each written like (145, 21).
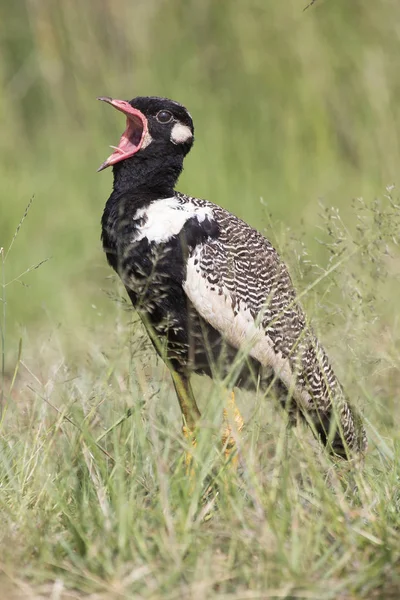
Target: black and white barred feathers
(212, 291)
(237, 284)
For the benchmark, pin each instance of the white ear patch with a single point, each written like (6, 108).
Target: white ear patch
(180, 133)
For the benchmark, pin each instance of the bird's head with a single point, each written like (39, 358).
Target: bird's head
(154, 127)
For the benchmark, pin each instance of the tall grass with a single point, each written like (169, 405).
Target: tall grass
(296, 119)
(95, 495)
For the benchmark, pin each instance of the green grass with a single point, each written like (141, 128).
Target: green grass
(296, 116)
(95, 498)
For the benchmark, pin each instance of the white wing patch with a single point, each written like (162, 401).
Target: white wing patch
(240, 329)
(165, 218)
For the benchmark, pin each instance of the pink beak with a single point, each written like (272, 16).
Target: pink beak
(132, 139)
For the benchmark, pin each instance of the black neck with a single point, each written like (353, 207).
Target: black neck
(137, 182)
(147, 178)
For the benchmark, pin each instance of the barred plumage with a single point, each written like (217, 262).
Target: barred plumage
(210, 285)
(242, 266)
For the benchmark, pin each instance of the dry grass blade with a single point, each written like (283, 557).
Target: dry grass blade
(19, 227)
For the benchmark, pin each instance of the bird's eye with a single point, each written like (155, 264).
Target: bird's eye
(164, 116)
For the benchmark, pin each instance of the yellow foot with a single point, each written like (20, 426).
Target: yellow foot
(190, 437)
(233, 424)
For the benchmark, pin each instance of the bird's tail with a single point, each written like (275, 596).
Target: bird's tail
(320, 400)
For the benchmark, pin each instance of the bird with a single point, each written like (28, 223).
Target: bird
(212, 292)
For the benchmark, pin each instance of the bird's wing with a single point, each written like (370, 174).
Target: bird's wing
(238, 283)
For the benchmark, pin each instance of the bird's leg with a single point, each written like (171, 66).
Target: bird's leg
(232, 420)
(190, 412)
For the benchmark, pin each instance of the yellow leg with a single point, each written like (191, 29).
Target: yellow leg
(190, 414)
(232, 419)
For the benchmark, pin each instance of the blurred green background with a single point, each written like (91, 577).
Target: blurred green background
(289, 106)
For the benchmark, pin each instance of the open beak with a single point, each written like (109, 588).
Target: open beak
(132, 139)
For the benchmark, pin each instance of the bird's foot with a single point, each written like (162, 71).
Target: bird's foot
(233, 425)
(191, 439)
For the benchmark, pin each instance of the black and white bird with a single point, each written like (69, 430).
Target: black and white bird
(212, 292)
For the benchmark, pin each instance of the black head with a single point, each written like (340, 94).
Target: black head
(155, 127)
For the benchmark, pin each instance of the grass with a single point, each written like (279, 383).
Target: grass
(296, 116)
(95, 496)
